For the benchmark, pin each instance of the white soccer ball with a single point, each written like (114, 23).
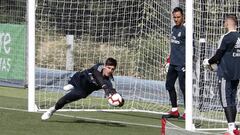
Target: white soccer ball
(115, 99)
(214, 67)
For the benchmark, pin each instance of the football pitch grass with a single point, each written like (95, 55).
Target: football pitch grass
(15, 120)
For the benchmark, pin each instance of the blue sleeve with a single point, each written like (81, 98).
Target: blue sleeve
(220, 51)
(97, 74)
(217, 57)
(224, 43)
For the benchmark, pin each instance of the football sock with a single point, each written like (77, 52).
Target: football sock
(173, 97)
(231, 126)
(174, 109)
(230, 113)
(52, 109)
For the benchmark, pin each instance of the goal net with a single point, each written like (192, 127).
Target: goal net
(173, 127)
(72, 35)
(208, 28)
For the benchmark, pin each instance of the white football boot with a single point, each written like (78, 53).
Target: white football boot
(48, 113)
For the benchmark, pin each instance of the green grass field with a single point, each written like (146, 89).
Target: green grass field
(15, 120)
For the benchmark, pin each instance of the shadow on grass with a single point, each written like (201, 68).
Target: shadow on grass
(138, 115)
(105, 123)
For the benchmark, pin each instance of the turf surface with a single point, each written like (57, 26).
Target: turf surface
(15, 120)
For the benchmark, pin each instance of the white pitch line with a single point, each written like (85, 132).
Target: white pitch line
(87, 118)
(110, 121)
(13, 109)
(100, 120)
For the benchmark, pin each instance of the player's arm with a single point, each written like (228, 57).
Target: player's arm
(219, 53)
(223, 45)
(97, 74)
(217, 57)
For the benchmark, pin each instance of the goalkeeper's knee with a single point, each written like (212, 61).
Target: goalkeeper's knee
(68, 87)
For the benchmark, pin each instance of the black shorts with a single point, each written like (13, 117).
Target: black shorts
(228, 91)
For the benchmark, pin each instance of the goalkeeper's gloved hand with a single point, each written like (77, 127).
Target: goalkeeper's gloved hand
(109, 92)
(122, 103)
(167, 67)
(205, 63)
(167, 64)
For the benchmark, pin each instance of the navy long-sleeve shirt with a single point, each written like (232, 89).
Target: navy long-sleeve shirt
(177, 54)
(228, 56)
(92, 79)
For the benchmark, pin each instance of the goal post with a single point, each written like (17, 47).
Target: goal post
(31, 54)
(189, 66)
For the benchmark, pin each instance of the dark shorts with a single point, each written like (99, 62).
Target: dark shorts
(228, 91)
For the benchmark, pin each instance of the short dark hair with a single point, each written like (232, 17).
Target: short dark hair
(233, 18)
(177, 9)
(111, 62)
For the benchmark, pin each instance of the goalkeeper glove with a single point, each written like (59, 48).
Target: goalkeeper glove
(167, 64)
(109, 92)
(167, 67)
(122, 103)
(208, 66)
(205, 63)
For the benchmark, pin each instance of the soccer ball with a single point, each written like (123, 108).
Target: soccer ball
(213, 67)
(115, 99)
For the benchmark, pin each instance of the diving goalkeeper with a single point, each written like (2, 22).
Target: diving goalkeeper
(227, 57)
(82, 84)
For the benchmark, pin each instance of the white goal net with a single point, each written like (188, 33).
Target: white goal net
(208, 28)
(72, 35)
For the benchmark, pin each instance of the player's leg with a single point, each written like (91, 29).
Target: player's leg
(170, 82)
(234, 85)
(181, 79)
(68, 87)
(73, 95)
(228, 90)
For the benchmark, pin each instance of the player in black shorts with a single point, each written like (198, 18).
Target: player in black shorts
(227, 57)
(82, 84)
(176, 67)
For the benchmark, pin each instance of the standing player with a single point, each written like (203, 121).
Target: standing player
(82, 84)
(176, 67)
(228, 59)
